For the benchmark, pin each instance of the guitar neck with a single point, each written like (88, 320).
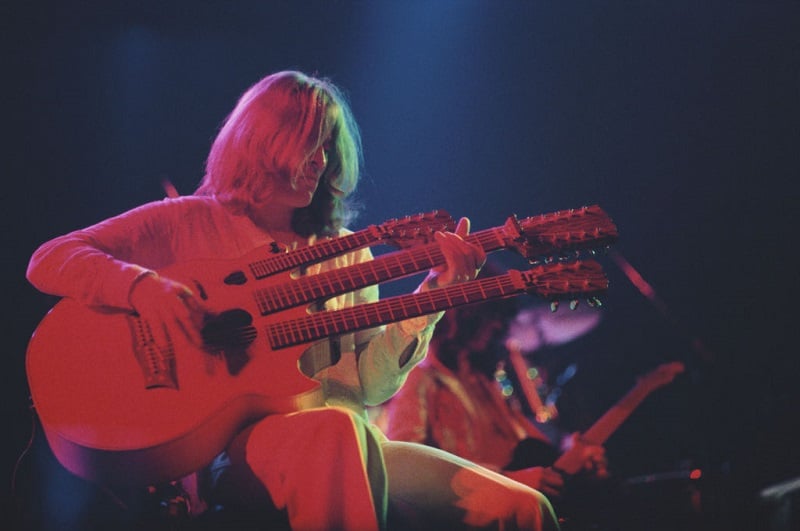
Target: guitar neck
(546, 280)
(312, 254)
(410, 228)
(389, 266)
(612, 419)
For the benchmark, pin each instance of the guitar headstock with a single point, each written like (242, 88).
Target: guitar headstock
(560, 232)
(413, 230)
(660, 376)
(564, 280)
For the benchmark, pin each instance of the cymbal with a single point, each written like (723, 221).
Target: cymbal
(538, 326)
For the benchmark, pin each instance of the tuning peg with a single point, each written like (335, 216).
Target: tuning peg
(573, 304)
(554, 306)
(594, 302)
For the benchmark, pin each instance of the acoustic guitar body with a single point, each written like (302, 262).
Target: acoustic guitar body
(118, 408)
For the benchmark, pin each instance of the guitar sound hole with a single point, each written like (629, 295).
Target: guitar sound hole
(230, 333)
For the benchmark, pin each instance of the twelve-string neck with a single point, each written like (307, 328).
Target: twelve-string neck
(385, 267)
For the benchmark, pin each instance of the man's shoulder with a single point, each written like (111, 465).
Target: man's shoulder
(193, 201)
(193, 205)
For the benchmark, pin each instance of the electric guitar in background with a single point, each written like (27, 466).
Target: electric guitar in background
(572, 460)
(533, 452)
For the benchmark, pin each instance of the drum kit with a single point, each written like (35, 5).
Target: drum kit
(538, 326)
(533, 329)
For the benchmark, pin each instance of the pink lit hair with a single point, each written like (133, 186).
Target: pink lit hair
(271, 134)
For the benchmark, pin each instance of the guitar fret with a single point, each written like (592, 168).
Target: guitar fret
(490, 239)
(256, 269)
(280, 296)
(319, 329)
(296, 332)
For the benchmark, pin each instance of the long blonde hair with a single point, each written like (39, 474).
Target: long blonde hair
(276, 126)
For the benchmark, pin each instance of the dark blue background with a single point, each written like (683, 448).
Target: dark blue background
(681, 120)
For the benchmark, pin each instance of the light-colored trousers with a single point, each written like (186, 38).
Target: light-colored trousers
(331, 470)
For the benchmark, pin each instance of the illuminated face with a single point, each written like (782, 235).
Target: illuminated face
(300, 194)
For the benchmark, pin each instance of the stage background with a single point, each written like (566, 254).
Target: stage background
(681, 120)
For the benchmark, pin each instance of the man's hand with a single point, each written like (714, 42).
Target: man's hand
(463, 260)
(166, 304)
(594, 458)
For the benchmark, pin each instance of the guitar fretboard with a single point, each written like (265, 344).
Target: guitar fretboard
(409, 228)
(577, 279)
(312, 254)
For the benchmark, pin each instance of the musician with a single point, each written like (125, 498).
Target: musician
(280, 172)
(452, 401)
